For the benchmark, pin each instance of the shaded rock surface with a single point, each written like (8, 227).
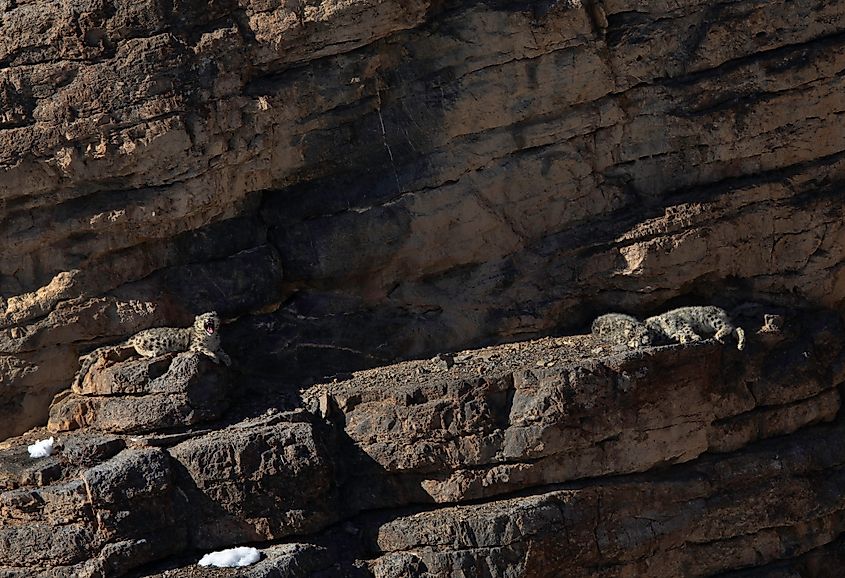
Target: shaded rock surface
(258, 480)
(529, 414)
(352, 184)
(772, 501)
(559, 456)
(359, 182)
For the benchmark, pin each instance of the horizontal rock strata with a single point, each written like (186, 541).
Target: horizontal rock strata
(766, 503)
(258, 480)
(350, 184)
(560, 456)
(525, 414)
(367, 181)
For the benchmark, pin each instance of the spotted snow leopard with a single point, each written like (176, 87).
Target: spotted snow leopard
(203, 337)
(688, 324)
(621, 329)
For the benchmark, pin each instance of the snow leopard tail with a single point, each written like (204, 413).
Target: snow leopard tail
(89, 359)
(739, 333)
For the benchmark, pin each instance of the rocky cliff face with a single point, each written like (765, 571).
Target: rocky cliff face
(555, 457)
(365, 181)
(354, 183)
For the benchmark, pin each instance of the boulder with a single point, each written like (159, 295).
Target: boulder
(261, 479)
(143, 395)
(523, 415)
(104, 510)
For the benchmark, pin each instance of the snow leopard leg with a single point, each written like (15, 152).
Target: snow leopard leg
(214, 356)
(681, 331)
(739, 332)
(722, 332)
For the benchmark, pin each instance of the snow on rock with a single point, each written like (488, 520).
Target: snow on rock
(41, 448)
(231, 558)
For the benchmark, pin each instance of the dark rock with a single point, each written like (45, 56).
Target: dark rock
(261, 479)
(443, 186)
(554, 461)
(91, 449)
(289, 561)
(144, 395)
(90, 522)
(549, 414)
(696, 520)
(357, 183)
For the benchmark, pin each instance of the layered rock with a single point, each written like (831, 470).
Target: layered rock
(526, 414)
(560, 456)
(103, 505)
(429, 177)
(772, 501)
(143, 395)
(350, 184)
(84, 520)
(258, 480)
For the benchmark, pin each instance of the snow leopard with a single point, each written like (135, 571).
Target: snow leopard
(621, 329)
(689, 324)
(203, 337)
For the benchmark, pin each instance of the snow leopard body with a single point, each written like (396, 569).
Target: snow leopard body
(689, 324)
(621, 329)
(202, 337)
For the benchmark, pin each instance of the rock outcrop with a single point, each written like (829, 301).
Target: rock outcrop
(522, 415)
(560, 456)
(149, 394)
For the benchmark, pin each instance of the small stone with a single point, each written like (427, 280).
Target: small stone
(325, 405)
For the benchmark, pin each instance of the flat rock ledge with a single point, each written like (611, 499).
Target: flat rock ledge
(559, 456)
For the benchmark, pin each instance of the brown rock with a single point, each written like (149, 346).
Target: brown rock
(87, 521)
(359, 182)
(289, 561)
(698, 520)
(443, 185)
(672, 460)
(143, 395)
(459, 437)
(258, 480)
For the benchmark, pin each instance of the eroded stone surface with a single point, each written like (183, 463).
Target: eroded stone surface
(87, 520)
(461, 172)
(358, 182)
(533, 413)
(559, 456)
(259, 480)
(697, 520)
(143, 395)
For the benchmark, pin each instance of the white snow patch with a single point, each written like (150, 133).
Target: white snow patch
(41, 448)
(231, 558)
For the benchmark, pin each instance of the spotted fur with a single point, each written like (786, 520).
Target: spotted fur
(202, 337)
(621, 329)
(689, 324)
